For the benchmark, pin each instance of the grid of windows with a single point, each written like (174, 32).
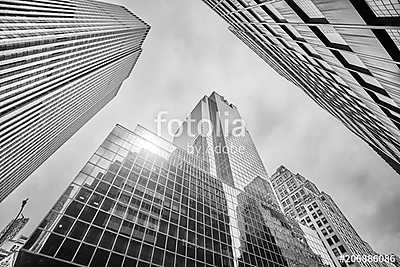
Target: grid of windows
(141, 202)
(61, 62)
(395, 35)
(309, 8)
(322, 50)
(385, 8)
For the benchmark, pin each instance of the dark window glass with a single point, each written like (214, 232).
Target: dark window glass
(73, 209)
(127, 228)
(163, 226)
(51, 245)
(138, 232)
(87, 214)
(84, 254)
(158, 256)
(83, 194)
(169, 259)
(79, 230)
(114, 223)
(120, 244)
(129, 262)
(100, 258)
(96, 200)
(93, 236)
(160, 240)
(114, 192)
(102, 188)
(146, 252)
(342, 249)
(171, 243)
(133, 249)
(109, 177)
(108, 204)
(173, 230)
(107, 240)
(68, 249)
(64, 225)
(150, 236)
(101, 219)
(115, 260)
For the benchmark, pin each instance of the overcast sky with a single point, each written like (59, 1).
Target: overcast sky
(189, 53)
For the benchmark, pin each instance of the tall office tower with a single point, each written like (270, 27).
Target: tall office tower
(61, 62)
(215, 131)
(12, 229)
(140, 201)
(344, 54)
(302, 200)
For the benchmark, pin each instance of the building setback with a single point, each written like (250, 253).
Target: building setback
(142, 200)
(344, 54)
(61, 63)
(302, 200)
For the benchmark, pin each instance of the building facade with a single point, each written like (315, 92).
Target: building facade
(9, 249)
(141, 200)
(316, 244)
(61, 62)
(344, 54)
(302, 200)
(12, 229)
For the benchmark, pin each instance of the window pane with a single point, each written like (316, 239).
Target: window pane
(68, 249)
(84, 254)
(93, 236)
(100, 258)
(64, 225)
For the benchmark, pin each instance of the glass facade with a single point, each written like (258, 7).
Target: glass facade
(61, 62)
(343, 54)
(142, 201)
(316, 245)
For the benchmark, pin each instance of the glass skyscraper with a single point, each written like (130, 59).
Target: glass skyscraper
(344, 54)
(143, 201)
(61, 62)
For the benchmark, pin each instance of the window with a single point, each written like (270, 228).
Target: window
(342, 249)
(79, 230)
(107, 240)
(93, 236)
(336, 239)
(324, 220)
(324, 232)
(309, 8)
(336, 252)
(100, 258)
(395, 35)
(68, 249)
(63, 225)
(84, 254)
(329, 228)
(385, 8)
(51, 245)
(319, 223)
(330, 242)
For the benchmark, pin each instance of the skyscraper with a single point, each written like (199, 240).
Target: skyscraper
(142, 200)
(344, 54)
(12, 229)
(302, 200)
(61, 62)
